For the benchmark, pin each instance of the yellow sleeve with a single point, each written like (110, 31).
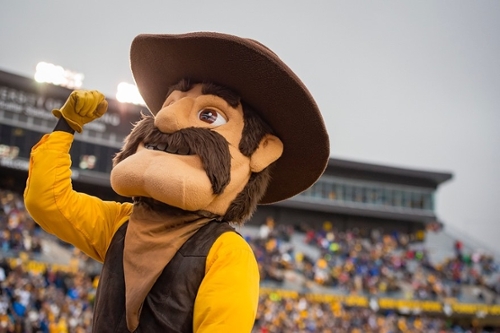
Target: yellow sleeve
(229, 293)
(85, 221)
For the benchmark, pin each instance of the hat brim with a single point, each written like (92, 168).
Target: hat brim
(260, 78)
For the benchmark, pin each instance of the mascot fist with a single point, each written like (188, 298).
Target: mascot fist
(81, 107)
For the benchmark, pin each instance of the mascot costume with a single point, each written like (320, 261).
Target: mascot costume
(230, 127)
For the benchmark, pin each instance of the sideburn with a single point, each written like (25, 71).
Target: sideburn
(210, 146)
(245, 204)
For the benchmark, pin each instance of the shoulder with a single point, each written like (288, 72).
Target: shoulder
(230, 247)
(230, 240)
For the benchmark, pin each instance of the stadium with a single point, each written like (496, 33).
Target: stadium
(360, 251)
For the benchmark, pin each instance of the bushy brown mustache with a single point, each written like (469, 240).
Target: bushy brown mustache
(210, 146)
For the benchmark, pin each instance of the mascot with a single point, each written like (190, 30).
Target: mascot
(230, 127)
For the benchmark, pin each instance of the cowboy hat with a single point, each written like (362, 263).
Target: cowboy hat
(260, 78)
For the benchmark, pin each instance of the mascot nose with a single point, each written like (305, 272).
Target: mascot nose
(174, 117)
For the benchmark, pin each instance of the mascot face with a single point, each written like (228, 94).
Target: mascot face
(188, 155)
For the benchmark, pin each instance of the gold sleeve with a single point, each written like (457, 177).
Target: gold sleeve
(85, 221)
(229, 293)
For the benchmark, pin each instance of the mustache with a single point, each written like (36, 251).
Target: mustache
(211, 147)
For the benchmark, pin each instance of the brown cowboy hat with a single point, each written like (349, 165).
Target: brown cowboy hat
(260, 78)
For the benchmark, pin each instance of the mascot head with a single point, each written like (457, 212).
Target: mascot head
(231, 127)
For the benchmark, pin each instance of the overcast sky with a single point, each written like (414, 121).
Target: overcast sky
(403, 83)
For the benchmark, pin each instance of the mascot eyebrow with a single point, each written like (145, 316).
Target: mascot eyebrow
(254, 129)
(207, 88)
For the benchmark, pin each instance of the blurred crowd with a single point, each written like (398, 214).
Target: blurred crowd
(48, 302)
(51, 300)
(18, 232)
(378, 264)
(37, 298)
(300, 315)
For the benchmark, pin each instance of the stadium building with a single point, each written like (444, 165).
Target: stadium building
(352, 194)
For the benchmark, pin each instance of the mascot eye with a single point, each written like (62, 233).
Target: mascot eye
(211, 117)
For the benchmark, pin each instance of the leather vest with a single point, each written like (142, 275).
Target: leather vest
(169, 306)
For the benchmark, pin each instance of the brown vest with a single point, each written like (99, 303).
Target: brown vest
(170, 303)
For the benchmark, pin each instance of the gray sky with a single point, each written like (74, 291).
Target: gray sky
(410, 84)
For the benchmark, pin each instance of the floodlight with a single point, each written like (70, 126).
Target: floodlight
(128, 93)
(50, 73)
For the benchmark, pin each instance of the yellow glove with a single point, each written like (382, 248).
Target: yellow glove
(81, 107)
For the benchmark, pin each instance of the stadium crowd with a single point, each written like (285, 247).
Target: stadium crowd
(300, 315)
(379, 264)
(48, 299)
(17, 231)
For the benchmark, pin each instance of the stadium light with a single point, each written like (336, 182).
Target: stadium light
(128, 93)
(50, 73)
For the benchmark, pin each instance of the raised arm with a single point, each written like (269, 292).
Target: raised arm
(85, 221)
